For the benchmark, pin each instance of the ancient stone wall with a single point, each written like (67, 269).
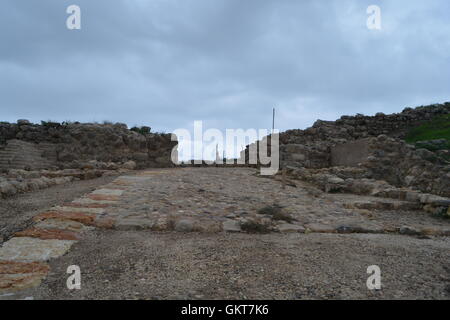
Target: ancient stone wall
(373, 145)
(401, 164)
(316, 141)
(74, 145)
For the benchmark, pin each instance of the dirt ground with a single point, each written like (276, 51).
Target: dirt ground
(133, 260)
(149, 265)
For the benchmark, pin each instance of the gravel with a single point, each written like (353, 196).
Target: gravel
(156, 265)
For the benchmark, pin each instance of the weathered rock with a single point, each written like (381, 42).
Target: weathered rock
(62, 224)
(23, 122)
(32, 249)
(104, 222)
(287, 227)
(89, 145)
(108, 192)
(7, 189)
(15, 276)
(320, 228)
(84, 218)
(101, 197)
(86, 205)
(46, 234)
(184, 225)
(78, 209)
(134, 223)
(162, 224)
(360, 228)
(371, 143)
(130, 165)
(231, 226)
(408, 231)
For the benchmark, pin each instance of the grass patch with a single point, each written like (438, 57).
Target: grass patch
(438, 128)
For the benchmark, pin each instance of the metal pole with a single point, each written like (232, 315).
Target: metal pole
(273, 120)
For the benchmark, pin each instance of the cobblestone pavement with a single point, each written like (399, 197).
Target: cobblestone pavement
(209, 203)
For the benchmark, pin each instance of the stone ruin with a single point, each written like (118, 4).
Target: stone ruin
(368, 155)
(35, 156)
(358, 154)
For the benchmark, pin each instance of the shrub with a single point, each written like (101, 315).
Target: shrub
(142, 130)
(254, 227)
(276, 212)
(50, 124)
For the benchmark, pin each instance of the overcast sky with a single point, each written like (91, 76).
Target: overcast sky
(166, 63)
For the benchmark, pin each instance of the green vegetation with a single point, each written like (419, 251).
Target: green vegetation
(142, 130)
(50, 124)
(438, 128)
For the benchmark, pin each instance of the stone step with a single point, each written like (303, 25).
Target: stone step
(19, 154)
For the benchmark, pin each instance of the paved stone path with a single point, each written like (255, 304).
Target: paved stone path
(205, 200)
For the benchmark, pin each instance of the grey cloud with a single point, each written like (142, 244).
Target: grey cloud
(227, 62)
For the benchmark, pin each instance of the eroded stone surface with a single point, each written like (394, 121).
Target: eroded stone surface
(108, 192)
(135, 224)
(86, 205)
(12, 267)
(19, 281)
(103, 197)
(104, 222)
(78, 209)
(322, 228)
(84, 218)
(286, 227)
(63, 224)
(46, 234)
(15, 276)
(32, 249)
(184, 225)
(190, 199)
(231, 226)
(94, 203)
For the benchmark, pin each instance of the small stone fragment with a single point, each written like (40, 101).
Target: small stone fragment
(231, 226)
(287, 227)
